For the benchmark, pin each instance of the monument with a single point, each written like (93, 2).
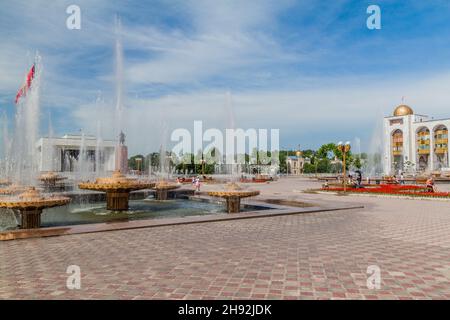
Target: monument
(122, 155)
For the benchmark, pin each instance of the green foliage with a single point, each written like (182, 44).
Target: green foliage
(309, 168)
(357, 163)
(133, 163)
(321, 161)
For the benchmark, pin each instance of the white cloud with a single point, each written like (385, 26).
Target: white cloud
(217, 42)
(328, 113)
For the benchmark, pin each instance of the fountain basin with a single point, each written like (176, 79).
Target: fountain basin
(161, 188)
(4, 182)
(233, 195)
(80, 212)
(117, 188)
(13, 189)
(30, 205)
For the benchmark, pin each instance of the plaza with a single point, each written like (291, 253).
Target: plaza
(319, 255)
(209, 150)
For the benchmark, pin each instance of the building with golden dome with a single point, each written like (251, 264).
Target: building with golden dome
(295, 164)
(414, 142)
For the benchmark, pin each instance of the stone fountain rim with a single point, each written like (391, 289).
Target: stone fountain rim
(105, 187)
(232, 193)
(49, 176)
(30, 203)
(165, 186)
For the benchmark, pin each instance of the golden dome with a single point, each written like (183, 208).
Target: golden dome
(403, 110)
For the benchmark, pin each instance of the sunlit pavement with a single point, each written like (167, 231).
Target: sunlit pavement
(323, 255)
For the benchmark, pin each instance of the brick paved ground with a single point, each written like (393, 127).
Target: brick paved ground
(310, 256)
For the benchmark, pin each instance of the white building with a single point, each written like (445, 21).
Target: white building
(414, 142)
(63, 154)
(295, 164)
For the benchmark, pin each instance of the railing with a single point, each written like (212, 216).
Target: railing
(440, 150)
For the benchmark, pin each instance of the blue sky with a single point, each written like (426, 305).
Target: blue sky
(309, 68)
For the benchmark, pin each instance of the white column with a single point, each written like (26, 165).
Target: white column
(387, 146)
(431, 164)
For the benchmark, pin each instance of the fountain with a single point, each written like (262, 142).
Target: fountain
(50, 179)
(13, 189)
(374, 164)
(117, 188)
(162, 187)
(20, 172)
(23, 153)
(233, 194)
(30, 204)
(4, 182)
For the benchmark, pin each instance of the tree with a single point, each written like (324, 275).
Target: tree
(323, 166)
(357, 163)
(133, 163)
(309, 168)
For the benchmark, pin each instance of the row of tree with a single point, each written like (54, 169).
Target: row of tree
(327, 159)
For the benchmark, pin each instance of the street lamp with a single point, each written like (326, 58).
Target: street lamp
(344, 148)
(203, 162)
(138, 162)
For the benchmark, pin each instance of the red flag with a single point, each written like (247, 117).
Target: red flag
(30, 76)
(20, 93)
(23, 90)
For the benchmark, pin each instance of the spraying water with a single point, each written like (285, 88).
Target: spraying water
(374, 164)
(119, 78)
(99, 151)
(163, 159)
(51, 135)
(5, 148)
(24, 157)
(233, 169)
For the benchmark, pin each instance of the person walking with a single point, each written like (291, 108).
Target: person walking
(197, 184)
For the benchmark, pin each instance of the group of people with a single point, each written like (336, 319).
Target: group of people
(430, 185)
(195, 182)
(396, 179)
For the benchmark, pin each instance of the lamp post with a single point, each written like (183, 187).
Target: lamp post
(344, 148)
(138, 162)
(287, 164)
(203, 162)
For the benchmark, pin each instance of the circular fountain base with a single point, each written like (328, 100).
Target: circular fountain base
(233, 195)
(233, 204)
(31, 218)
(161, 194)
(117, 201)
(162, 189)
